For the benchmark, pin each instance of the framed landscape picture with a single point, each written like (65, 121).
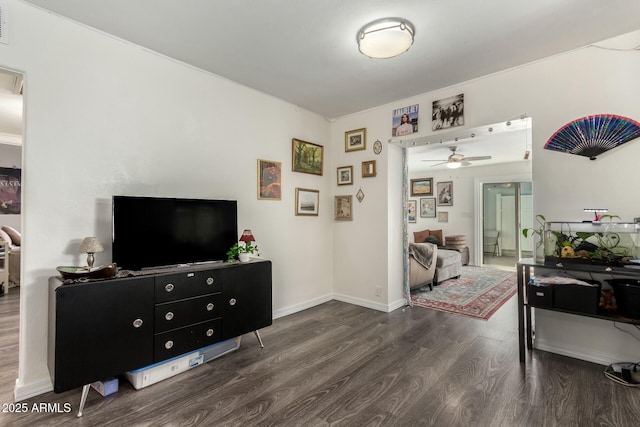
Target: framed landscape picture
(343, 208)
(422, 187)
(445, 193)
(307, 201)
(428, 207)
(269, 180)
(345, 175)
(355, 140)
(306, 157)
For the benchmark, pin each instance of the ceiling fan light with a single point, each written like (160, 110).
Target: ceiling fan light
(453, 165)
(385, 38)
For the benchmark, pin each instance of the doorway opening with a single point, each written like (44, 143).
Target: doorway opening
(507, 208)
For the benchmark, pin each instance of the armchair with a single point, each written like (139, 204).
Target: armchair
(422, 264)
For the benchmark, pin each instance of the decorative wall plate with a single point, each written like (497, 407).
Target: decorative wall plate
(377, 147)
(591, 136)
(360, 195)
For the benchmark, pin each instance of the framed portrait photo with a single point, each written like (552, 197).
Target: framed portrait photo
(343, 208)
(428, 207)
(345, 175)
(411, 211)
(422, 187)
(307, 202)
(445, 193)
(355, 140)
(269, 180)
(306, 157)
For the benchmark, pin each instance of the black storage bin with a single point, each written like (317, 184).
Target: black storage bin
(627, 293)
(540, 296)
(578, 298)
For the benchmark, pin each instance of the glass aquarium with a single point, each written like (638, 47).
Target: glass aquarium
(608, 243)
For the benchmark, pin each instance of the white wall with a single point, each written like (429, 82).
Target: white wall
(104, 117)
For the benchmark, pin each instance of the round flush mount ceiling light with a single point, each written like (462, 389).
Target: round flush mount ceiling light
(385, 38)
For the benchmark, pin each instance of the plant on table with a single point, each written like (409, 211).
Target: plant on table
(237, 249)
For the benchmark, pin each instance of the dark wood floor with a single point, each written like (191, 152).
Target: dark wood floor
(340, 364)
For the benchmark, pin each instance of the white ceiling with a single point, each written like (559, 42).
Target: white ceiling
(305, 52)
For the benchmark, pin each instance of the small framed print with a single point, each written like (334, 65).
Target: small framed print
(343, 205)
(411, 210)
(443, 216)
(269, 180)
(445, 193)
(422, 187)
(345, 175)
(355, 140)
(369, 169)
(307, 201)
(428, 207)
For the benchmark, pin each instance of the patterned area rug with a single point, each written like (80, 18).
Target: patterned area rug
(478, 293)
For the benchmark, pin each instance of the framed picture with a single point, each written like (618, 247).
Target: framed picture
(10, 192)
(369, 169)
(443, 216)
(428, 207)
(445, 193)
(345, 175)
(448, 112)
(306, 157)
(307, 201)
(422, 187)
(355, 140)
(343, 209)
(411, 210)
(404, 121)
(269, 180)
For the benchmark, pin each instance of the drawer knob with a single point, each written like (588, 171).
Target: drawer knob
(168, 344)
(137, 323)
(210, 280)
(210, 306)
(209, 332)
(169, 287)
(232, 301)
(169, 315)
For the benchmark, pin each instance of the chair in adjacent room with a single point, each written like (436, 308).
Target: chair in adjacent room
(491, 242)
(422, 264)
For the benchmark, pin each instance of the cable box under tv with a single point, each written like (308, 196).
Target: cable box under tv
(157, 372)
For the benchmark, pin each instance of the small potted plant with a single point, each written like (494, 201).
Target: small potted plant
(242, 252)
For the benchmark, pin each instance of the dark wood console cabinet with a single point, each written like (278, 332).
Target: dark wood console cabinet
(104, 328)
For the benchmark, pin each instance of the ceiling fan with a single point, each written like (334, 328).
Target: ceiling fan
(456, 160)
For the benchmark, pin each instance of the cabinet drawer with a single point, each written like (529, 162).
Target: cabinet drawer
(176, 314)
(178, 341)
(171, 287)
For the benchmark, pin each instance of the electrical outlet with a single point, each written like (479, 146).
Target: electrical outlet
(378, 291)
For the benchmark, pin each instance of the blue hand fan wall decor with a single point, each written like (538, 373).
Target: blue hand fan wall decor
(591, 136)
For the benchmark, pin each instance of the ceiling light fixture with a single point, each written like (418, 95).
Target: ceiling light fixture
(385, 38)
(453, 165)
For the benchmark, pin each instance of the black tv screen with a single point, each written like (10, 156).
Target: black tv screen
(154, 231)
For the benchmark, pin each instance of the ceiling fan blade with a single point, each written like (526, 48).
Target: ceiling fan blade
(438, 164)
(477, 158)
(434, 160)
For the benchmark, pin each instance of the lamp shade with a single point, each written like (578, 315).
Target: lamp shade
(91, 245)
(385, 38)
(247, 236)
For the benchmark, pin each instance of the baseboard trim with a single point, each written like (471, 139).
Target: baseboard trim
(364, 303)
(581, 353)
(27, 391)
(302, 306)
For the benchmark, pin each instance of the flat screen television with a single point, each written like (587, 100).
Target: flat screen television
(155, 231)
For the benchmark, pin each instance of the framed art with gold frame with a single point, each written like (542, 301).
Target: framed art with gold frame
(369, 169)
(355, 140)
(307, 202)
(343, 208)
(306, 157)
(345, 175)
(269, 180)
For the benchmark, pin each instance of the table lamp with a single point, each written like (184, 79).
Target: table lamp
(247, 236)
(90, 245)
